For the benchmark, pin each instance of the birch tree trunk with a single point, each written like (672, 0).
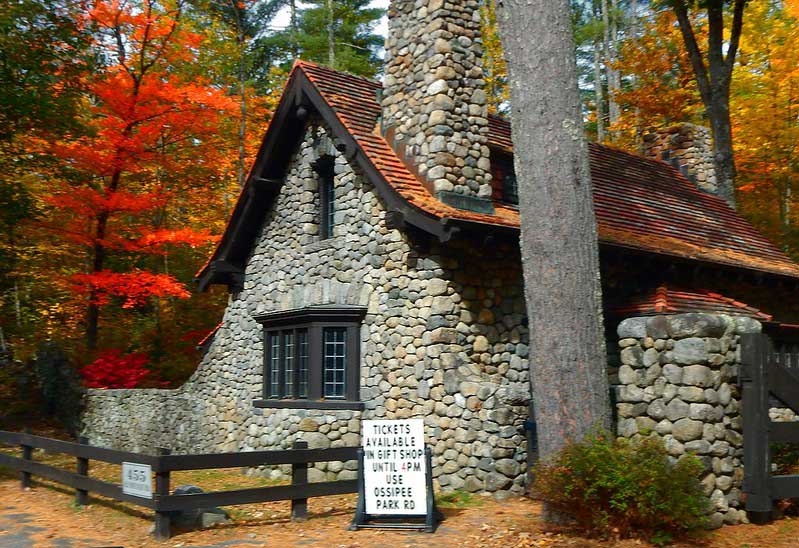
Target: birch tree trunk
(559, 236)
(610, 28)
(331, 35)
(598, 84)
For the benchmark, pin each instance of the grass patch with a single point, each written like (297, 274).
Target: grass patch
(458, 499)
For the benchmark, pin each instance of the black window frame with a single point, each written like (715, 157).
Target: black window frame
(503, 169)
(324, 168)
(313, 322)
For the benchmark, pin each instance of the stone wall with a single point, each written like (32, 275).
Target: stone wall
(689, 147)
(677, 381)
(444, 339)
(434, 106)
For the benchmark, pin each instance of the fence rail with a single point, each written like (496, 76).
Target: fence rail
(164, 503)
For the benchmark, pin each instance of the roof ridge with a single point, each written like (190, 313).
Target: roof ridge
(300, 63)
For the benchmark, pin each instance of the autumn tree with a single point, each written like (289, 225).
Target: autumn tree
(661, 90)
(713, 70)
(558, 228)
(120, 177)
(765, 116)
(233, 27)
(494, 68)
(43, 55)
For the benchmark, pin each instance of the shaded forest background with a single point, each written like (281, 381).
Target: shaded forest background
(127, 128)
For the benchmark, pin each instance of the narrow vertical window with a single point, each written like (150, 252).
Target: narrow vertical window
(510, 188)
(274, 364)
(335, 361)
(324, 168)
(288, 378)
(302, 364)
(328, 197)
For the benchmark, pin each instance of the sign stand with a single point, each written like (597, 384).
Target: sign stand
(431, 518)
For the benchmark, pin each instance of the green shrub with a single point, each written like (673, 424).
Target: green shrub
(620, 488)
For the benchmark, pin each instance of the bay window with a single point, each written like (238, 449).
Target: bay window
(312, 357)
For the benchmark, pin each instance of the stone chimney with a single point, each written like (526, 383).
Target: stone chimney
(434, 104)
(689, 148)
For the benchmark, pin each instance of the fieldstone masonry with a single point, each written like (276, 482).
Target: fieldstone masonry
(677, 381)
(690, 147)
(444, 339)
(435, 107)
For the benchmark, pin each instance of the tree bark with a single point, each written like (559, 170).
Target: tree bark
(242, 173)
(713, 73)
(559, 247)
(598, 85)
(295, 47)
(331, 35)
(610, 28)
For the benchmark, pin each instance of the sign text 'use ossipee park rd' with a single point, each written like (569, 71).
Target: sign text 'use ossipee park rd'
(395, 479)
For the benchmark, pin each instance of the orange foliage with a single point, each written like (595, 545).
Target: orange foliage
(134, 288)
(661, 90)
(765, 114)
(152, 143)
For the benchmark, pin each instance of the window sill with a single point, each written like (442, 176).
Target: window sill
(310, 404)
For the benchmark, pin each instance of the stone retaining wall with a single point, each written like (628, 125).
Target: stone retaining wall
(677, 381)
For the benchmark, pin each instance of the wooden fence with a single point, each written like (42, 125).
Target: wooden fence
(769, 378)
(163, 503)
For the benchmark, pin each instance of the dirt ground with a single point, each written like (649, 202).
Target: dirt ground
(46, 516)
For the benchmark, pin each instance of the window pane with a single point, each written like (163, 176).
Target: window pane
(274, 364)
(288, 379)
(334, 358)
(302, 341)
(510, 188)
(330, 206)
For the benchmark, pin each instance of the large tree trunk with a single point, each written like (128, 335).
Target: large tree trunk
(559, 236)
(713, 73)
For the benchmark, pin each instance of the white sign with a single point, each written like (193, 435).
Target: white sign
(394, 467)
(137, 480)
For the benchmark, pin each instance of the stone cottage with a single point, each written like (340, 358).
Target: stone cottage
(374, 272)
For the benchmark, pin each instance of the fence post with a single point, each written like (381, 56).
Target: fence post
(27, 454)
(82, 468)
(755, 356)
(299, 474)
(162, 530)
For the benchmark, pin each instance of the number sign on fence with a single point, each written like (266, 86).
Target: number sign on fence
(137, 480)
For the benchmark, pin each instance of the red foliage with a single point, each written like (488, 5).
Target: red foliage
(151, 137)
(112, 369)
(134, 287)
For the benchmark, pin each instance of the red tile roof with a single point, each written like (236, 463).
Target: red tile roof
(666, 300)
(640, 203)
